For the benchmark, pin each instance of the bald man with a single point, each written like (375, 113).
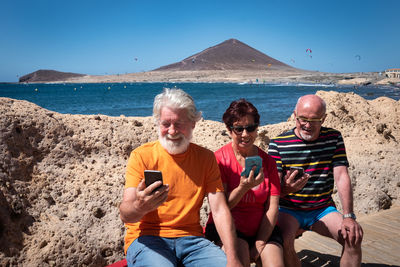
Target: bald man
(306, 203)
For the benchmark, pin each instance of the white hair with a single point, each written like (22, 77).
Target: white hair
(177, 99)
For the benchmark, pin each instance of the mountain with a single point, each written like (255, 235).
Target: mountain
(231, 54)
(48, 76)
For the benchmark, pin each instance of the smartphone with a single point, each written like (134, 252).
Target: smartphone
(299, 173)
(249, 163)
(151, 176)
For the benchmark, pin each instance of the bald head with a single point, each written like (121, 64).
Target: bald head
(310, 114)
(311, 102)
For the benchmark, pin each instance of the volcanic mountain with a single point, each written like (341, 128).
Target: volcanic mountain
(228, 55)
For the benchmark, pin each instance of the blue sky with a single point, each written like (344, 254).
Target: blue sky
(104, 37)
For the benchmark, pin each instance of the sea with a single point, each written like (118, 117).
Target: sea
(275, 102)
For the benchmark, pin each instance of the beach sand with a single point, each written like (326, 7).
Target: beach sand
(62, 176)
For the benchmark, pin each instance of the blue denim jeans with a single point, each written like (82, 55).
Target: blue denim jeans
(181, 251)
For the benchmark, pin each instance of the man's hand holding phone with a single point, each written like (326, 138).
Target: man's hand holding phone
(297, 171)
(151, 192)
(294, 180)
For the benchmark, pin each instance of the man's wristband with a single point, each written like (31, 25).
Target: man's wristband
(349, 215)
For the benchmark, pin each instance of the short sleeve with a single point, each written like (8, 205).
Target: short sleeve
(273, 177)
(134, 170)
(221, 161)
(274, 153)
(340, 156)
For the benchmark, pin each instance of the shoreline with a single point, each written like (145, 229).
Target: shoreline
(239, 76)
(213, 82)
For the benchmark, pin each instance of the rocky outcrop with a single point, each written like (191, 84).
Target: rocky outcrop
(62, 176)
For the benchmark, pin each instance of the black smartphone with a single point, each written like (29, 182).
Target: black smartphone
(299, 173)
(151, 176)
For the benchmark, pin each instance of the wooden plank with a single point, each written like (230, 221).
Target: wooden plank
(314, 241)
(381, 244)
(374, 232)
(388, 226)
(378, 252)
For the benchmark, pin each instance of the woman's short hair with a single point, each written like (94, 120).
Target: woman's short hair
(239, 109)
(177, 99)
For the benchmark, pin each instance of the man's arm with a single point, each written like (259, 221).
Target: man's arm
(138, 201)
(343, 184)
(350, 228)
(224, 223)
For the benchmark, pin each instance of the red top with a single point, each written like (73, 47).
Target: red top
(249, 212)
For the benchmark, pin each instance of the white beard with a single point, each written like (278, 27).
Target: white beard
(306, 137)
(175, 147)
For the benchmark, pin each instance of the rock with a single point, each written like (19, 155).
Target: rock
(62, 176)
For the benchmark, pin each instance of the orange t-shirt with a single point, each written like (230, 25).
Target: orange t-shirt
(190, 176)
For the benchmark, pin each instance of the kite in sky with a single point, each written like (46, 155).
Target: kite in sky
(308, 52)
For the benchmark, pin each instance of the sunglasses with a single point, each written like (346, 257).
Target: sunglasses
(240, 129)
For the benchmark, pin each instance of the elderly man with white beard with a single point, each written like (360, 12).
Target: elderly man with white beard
(163, 219)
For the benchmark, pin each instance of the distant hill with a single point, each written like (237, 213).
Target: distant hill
(228, 55)
(231, 54)
(47, 76)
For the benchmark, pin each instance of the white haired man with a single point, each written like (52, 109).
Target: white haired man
(163, 225)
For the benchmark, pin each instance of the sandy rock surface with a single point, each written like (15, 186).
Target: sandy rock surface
(62, 176)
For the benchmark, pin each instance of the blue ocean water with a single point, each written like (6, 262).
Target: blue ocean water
(274, 102)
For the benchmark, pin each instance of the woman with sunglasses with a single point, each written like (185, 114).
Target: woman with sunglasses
(253, 200)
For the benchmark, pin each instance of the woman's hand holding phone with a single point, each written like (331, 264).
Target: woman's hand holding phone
(252, 180)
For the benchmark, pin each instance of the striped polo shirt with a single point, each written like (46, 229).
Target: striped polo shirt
(318, 158)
